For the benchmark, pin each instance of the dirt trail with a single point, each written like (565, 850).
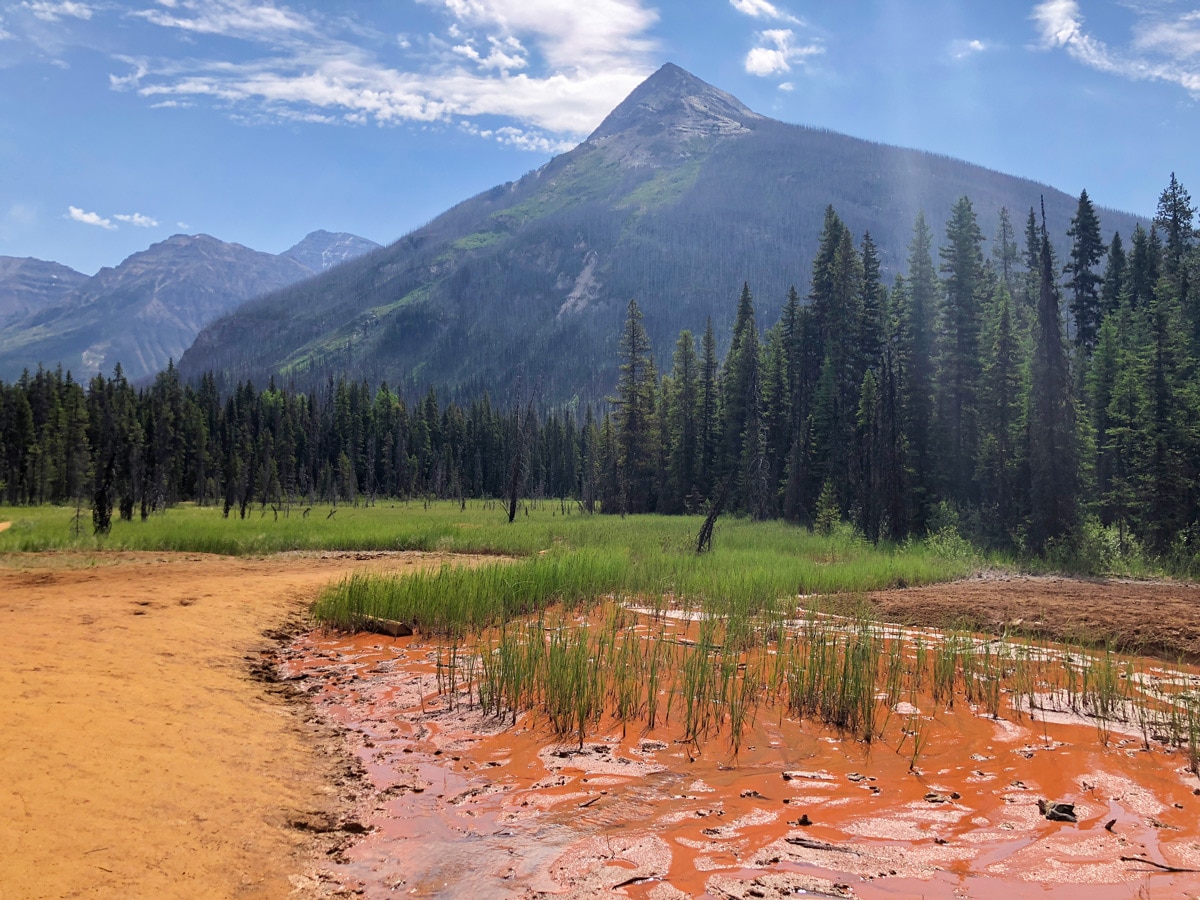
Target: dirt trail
(4, 526)
(138, 757)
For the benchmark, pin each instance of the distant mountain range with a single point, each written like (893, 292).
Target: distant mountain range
(148, 309)
(678, 197)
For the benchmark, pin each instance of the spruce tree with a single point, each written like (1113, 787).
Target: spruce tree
(1005, 253)
(958, 350)
(1004, 396)
(916, 304)
(741, 399)
(709, 424)
(1087, 249)
(1053, 440)
(683, 419)
(873, 306)
(634, 405)
(1175, 221)
(1113, 283)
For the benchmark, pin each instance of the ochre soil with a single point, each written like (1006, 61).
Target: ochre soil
(139, 755)
(1149, 618)
(464, 805)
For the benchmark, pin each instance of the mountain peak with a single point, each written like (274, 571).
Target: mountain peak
(675, 103)
(321, 249)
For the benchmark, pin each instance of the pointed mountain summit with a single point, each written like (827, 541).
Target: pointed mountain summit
(676, 104)
(678, 197)
(322, 250)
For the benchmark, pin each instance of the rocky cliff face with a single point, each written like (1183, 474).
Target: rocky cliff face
(320, 251)
(28, 284)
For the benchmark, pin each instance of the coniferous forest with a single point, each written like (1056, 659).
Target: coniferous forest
(1031, 402)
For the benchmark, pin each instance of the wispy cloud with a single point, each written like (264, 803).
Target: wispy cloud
(1162, 48)
(137, 220)
(231, 18)
(53, 12)
(761, 9)
(777, 51)
(554, 68)
(75, 214)
(965, 48)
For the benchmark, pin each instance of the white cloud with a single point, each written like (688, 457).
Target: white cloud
(183, 225)
(569, 34)
(53, 12)
(964, 48)
(556, 67)
(1162, 48)
(506, 53)
(122, 82)
(510, 136)
(761, 9)
(137, 220)
(75, 214)
(787, 86)
(231, 18)
(777, 51)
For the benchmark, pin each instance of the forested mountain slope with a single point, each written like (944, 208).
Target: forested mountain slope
(680, 196)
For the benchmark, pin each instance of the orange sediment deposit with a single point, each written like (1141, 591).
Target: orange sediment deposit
(139, 757)
(469, 803)
(4, 526)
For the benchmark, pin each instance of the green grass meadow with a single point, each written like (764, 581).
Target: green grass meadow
(563, 554)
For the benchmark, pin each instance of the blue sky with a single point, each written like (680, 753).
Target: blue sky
(125, 121)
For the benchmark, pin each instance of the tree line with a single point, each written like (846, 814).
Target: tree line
(1010, 392)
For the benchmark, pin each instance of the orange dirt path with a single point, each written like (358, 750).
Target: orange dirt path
(138, 755)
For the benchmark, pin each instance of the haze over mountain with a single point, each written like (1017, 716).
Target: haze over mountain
(322, 250)
(147, 310)
(28, 284)
(679, 196)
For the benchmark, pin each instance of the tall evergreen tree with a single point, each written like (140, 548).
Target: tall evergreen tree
(1053, 440)
(873, 306)
(709, 425)
(683, 421)
(916, 301)
(1144, 263)
(958, 350)
(1113, 283)
(1004, 396)
(1175, 220)
(1087, 249)
(1005, 253)
(634, 404)
(741, 399)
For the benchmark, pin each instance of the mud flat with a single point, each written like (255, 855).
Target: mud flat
(139, 756)
(463, 804)
(1154, 618)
